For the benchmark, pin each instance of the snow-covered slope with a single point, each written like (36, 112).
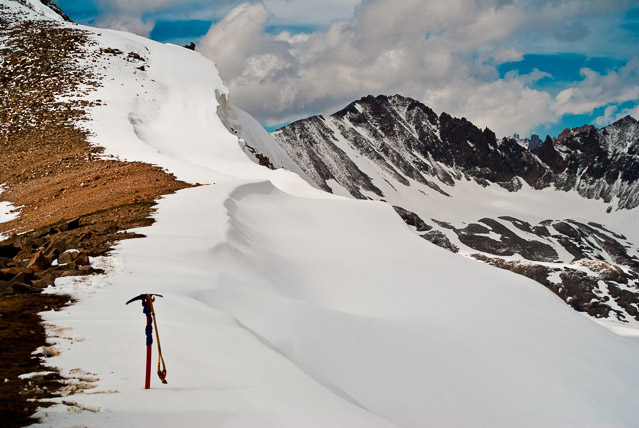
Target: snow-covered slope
(288, 311)
(46, 8)
(287, 306)
(461, 188)
(160, 105)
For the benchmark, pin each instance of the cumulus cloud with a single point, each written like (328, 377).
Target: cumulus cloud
(504, 105)
(607, 117)
(633, 111)
(131, 23)
(309, 12)
(597, 90)
(443, 52)
(136, 5)
(238, 40)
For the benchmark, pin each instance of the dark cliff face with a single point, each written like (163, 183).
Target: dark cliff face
(549, 156)
(601, 163)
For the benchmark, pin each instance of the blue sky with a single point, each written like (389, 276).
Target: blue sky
(174, 28)
(171, 31)
(512, 65)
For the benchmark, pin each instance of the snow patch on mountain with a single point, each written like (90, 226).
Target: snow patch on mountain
(8, 212)
(48, 11)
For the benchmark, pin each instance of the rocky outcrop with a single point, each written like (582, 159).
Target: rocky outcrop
(32, 261)
(412, 219)
(601, 163)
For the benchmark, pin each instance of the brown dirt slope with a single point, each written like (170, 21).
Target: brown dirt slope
(69, 197)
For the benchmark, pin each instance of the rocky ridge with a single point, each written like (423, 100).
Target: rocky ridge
(407, 139)
(377, 147)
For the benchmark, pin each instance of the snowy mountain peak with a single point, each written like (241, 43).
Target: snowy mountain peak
(408, 140)
(623, 135)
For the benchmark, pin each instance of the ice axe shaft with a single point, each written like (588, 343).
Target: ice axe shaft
(147, 376)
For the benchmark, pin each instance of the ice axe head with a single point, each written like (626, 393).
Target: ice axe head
(142, 297)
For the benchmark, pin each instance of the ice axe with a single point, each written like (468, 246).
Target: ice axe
(147, 305)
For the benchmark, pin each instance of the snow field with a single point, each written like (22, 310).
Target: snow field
(220, 373)
(271, 317)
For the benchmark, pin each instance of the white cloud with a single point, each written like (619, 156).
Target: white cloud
(132, 15)
(137, 5)
(502, 54)
(607, 116)
(140, 16)
(442, 52)
(611, 115)
(633, 111)
(132, 23)
(597, 90)
(505, 106)
(310, 12)
(303, 13)
(238, 40)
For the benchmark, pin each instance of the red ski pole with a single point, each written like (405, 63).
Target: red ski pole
(147, 309)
